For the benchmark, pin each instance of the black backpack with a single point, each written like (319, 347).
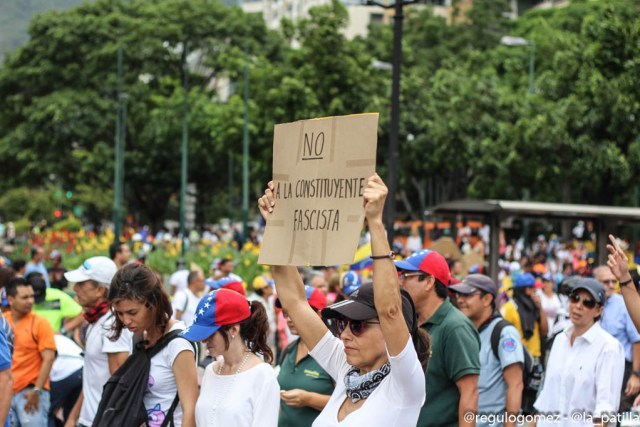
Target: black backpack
(530, 375)
(122, 395)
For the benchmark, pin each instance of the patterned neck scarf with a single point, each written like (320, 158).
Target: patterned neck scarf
(361, 386)
(93, 314)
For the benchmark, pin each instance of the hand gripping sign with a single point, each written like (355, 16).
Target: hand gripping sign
(320, 171)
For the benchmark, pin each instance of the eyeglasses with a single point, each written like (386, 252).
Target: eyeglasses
(461, 295)
(612, 281)
(338, 325)
(587, 302)
(404, 275)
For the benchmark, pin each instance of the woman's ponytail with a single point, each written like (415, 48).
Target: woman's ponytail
(254, 331)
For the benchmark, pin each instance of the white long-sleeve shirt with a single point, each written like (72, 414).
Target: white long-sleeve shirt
(584, 378)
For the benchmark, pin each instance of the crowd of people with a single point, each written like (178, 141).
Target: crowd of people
(415, 343)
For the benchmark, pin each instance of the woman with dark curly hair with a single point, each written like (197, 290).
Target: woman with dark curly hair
(240, 390)
(141, 305)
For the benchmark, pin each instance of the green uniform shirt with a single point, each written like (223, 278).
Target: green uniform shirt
(306, 375)
(57, 305)
(455, 352)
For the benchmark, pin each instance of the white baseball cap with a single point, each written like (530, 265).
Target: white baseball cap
(98, 268)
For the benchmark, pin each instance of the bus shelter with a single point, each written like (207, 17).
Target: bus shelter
(605, 219)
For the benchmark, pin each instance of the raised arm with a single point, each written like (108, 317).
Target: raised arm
(619, 265)
(386, 288)
(290, 287)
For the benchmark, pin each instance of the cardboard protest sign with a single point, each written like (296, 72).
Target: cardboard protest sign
(446, 247)
(320, 170)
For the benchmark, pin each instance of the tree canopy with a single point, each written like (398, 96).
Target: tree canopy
(468, 126)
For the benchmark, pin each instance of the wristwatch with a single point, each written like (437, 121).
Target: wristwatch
(636, 373)
(37, 390)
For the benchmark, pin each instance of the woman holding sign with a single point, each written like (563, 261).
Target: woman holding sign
(370, 343)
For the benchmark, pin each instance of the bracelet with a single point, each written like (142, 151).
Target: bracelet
(390, 255)
(625, 283)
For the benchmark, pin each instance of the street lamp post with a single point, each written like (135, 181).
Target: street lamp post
(245, 147)
(519, 41)
(396, 62)
(185, 149)
(121, 119)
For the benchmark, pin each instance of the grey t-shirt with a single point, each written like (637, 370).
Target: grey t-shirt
(492, 389)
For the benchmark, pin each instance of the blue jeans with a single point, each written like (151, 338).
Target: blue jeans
(21, 418)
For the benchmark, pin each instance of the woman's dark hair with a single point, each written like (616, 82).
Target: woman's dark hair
(422, 343)
(420, 338)
(138, 282)
(253, 330)
(519, 291)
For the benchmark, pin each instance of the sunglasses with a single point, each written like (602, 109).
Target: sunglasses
(338, 325)
(587, 302)
(404, 275)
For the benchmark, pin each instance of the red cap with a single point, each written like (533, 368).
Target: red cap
(427, 261)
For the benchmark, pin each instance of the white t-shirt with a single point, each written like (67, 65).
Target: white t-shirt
(162, 387)
(68, 358)
(248, 399)
(395, 402)
(179, 279)
(583, 377)
(96, 364)
(187, 302)
(551, 306)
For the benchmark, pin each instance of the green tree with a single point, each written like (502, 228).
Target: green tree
(57, 107)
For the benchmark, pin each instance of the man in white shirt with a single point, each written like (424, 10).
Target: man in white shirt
(186, 301)
(36, 264)
(102, 356)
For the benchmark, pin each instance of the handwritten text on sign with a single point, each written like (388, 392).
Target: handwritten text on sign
(320, 170)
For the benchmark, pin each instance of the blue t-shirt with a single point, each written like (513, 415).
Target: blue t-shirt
(616, 320)
(37, 268)
(492, 389)
(5, 359)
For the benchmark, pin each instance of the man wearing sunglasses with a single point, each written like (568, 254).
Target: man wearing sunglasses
(616, 321)
(500, 383)
(585, 366)
(454, 366)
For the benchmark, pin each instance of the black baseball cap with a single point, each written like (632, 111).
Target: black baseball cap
(476, 282)
(594, 287)
(360, 306)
